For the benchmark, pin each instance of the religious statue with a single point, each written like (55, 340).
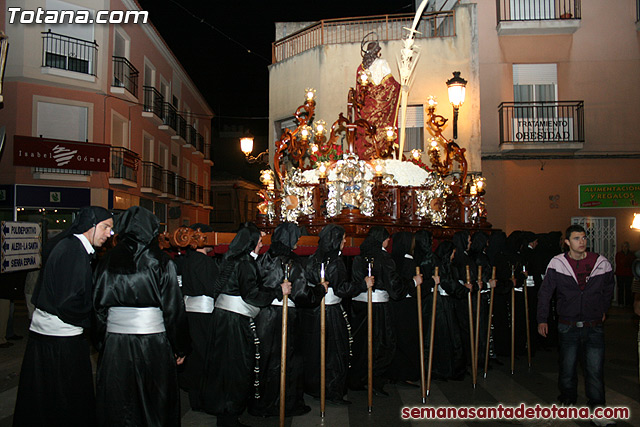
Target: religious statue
(377, 95)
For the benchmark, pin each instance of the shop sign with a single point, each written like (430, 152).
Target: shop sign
(20, 246)
(600, 196)
(60, 154)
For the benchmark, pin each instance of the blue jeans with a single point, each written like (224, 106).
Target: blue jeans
(587, 345)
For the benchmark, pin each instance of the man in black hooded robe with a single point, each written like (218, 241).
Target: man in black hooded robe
(338, 337)
(56, 380)
(279, 263)
(199, 271)
(141, 327)
(388, 285)
(233, 367)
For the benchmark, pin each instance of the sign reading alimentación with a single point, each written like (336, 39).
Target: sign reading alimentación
(21, 246)
(599, 196)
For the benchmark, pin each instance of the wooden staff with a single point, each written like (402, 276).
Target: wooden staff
(477, 333)
(370, 344)
(323, 328)
(471, 340)
(283, 351)
(526, 314)
(423, 387)
(486, 353)
(433, 328)
(513, 317)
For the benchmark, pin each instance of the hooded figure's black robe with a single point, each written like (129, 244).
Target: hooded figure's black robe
(337, 332)
(272, 267)
(230, 372)
(56, 379)
(199, 272)
(137, 380)
(384, 338)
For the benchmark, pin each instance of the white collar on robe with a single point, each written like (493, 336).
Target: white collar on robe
(85, 242)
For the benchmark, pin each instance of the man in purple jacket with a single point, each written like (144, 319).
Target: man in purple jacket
(584, 285)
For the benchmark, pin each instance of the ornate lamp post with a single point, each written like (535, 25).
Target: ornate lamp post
(246, 145)
(456, 86)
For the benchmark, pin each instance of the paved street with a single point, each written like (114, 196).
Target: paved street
(530, 387)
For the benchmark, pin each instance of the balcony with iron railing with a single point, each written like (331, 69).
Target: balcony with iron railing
(153, 103)
(151, 178)
(124, 167)
(199, 195)
(125, 76)
(191, 138)
(181, 130)
(352, 30)
(208, 199)
(190, 191)
(181, 187)
(541, 126)
(67, 53)
(169, 118)
(207, 154)
(530, 17)
(168, 185)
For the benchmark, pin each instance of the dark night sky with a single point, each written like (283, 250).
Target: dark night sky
(212, 38)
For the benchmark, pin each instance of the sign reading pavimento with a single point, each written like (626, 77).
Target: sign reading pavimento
(598, 196)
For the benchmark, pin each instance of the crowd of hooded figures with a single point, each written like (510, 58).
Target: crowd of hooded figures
(213, 326)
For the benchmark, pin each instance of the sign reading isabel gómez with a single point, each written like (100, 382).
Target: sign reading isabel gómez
(598, 196)
(60, 154)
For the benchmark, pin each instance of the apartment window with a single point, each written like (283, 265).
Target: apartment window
(149, 75)
(163, 156)
(119, 131)
(523, 10)
(67, 46)
(194, 174)
(534, 84)
(186, 169)
(414, 127)
(147, 148)
(61, 121)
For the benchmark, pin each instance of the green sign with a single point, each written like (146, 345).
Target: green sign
(598, 196)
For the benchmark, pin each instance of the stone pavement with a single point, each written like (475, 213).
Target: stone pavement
(535, 386)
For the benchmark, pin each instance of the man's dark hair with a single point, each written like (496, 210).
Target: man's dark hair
(574, 228)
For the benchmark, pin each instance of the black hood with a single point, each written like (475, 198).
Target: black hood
(137, 223)
(402, 245)
(245, 241)
(423, 251)
(372, 244)
(329, 241)
(284, 238)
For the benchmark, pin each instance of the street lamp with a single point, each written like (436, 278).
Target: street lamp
(456, 86)
(246, 145)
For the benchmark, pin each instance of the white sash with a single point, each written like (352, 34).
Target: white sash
(135, 320)
(290, 302)
(236, 304)
(330, 298)
(198, 304)
(378, 295)
(49, 324)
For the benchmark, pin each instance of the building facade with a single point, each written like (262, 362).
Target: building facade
(550, 117)
(100, 114)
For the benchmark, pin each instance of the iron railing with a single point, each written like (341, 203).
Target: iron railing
(181, 127)
(537, 10)
(191, 191)
(208, 198)
(170, 116)
(152, 175)
(199, 194)
(191, 136)
(181, 184)
(69, 53)
(200, 143)
(124, 164)
(153, 100)
(541, 122)
(169, 182)
(207, 151)
(352, 30)
(125, 75)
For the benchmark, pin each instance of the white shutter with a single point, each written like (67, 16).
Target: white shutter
(62, 121)
(535, 74)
